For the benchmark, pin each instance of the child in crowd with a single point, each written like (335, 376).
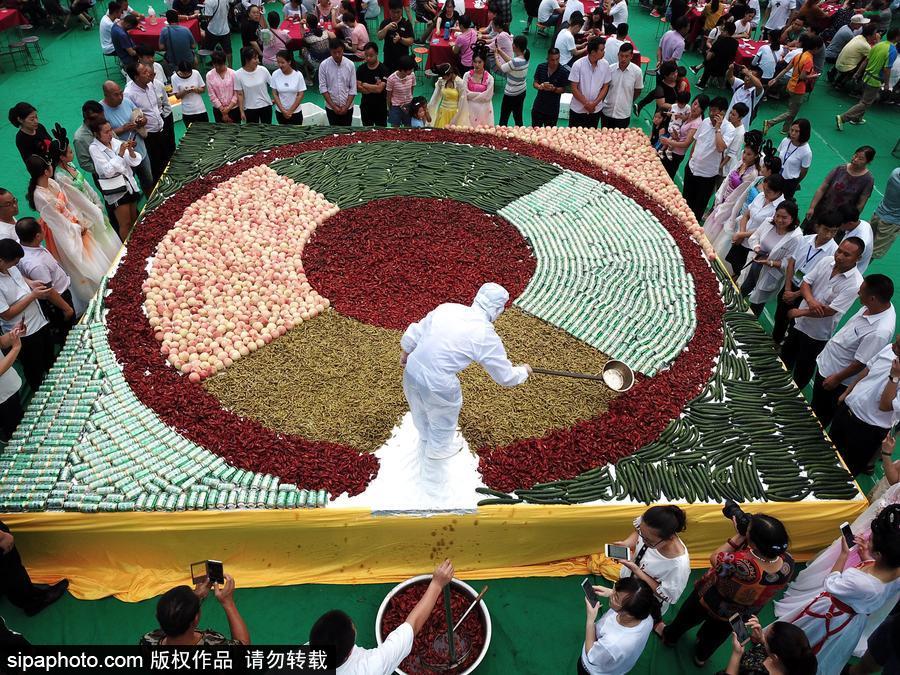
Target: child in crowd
(678, 115)
(39, 265)
(418, 113)
(20, 309)
(400, 85)
(660, 124)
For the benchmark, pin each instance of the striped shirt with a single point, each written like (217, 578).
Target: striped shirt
(516, 71)
(401, 88)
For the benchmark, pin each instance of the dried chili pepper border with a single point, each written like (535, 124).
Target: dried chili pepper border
(632, 421)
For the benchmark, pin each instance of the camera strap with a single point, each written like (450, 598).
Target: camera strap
(640, 555)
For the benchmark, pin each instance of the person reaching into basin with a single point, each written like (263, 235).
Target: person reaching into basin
(435, 349)
(335, 628)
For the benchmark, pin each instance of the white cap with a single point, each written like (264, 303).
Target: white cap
(859, 18)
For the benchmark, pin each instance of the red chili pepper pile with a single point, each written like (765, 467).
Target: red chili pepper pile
(391, 261)
(472, 630)
(633, 420)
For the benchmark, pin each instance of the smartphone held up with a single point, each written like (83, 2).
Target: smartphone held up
(211, 570)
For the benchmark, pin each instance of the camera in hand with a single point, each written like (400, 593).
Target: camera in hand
(741, 519)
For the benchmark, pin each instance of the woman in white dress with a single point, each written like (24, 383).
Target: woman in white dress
(734, 187)
(834, 616)
(73, 184)
(659, 557)
(69, 226)
(479, 87)
(114, 162)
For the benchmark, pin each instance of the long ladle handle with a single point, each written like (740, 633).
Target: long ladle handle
(566, 373)
(471, 607)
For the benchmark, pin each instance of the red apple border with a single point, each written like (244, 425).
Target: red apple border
(632, 421)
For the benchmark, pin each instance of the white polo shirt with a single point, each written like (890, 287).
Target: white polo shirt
(8, 231)
(618, 13)
(590, 80)
(706, 158)
(382, 660)
(807, 255)
(622, 85)
(861, 338)
(38, 264)
(838, 292)
(793, 158)
(864, 231)
(12, 289)
(864, 400)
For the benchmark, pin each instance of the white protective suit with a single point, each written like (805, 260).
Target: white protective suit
(445, 342)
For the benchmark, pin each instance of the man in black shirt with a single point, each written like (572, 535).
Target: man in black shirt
(550, 80)
(397, 33)
(371, 79)
(720, 56)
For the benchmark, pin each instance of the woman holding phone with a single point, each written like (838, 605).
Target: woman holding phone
(658, 557)
(615, 642)
(780, 649)
(856, 592)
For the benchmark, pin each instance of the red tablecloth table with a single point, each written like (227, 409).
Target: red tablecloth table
(297, 29)
(441, 50)
(747, 49)
(479, 15)
(830, 7)
(148, 35)
(10, 18)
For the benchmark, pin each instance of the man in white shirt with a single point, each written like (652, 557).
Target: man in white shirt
(852, 226)
(827, 293)
(625, 84)
(572, 6)
(18, 305)
(613, 42)
(590, 79)
(618, 13)
(731, 158)
(141, 91)
(337, 83)
(777, 14)
(549, 12)
(565, 41)
(336, 629)
(218, 32)
(808, 252)
(39, 265)
(9, 208)
(113, 12)
(870, 407)
(861, 338)
(746, 88)
(711, 139)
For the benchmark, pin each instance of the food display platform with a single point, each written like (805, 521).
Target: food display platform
(234, 390)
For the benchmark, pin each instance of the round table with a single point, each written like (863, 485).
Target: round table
(10, 18)
(747, 49)
(297, 29)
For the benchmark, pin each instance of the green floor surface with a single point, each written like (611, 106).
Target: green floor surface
(538, 624)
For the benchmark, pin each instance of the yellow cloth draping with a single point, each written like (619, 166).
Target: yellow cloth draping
(134, 556)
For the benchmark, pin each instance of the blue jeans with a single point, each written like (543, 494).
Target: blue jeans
(398, 117)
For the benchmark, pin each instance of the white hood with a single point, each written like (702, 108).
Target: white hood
(492, 298)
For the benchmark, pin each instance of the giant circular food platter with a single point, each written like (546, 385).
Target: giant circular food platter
(244, 354)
